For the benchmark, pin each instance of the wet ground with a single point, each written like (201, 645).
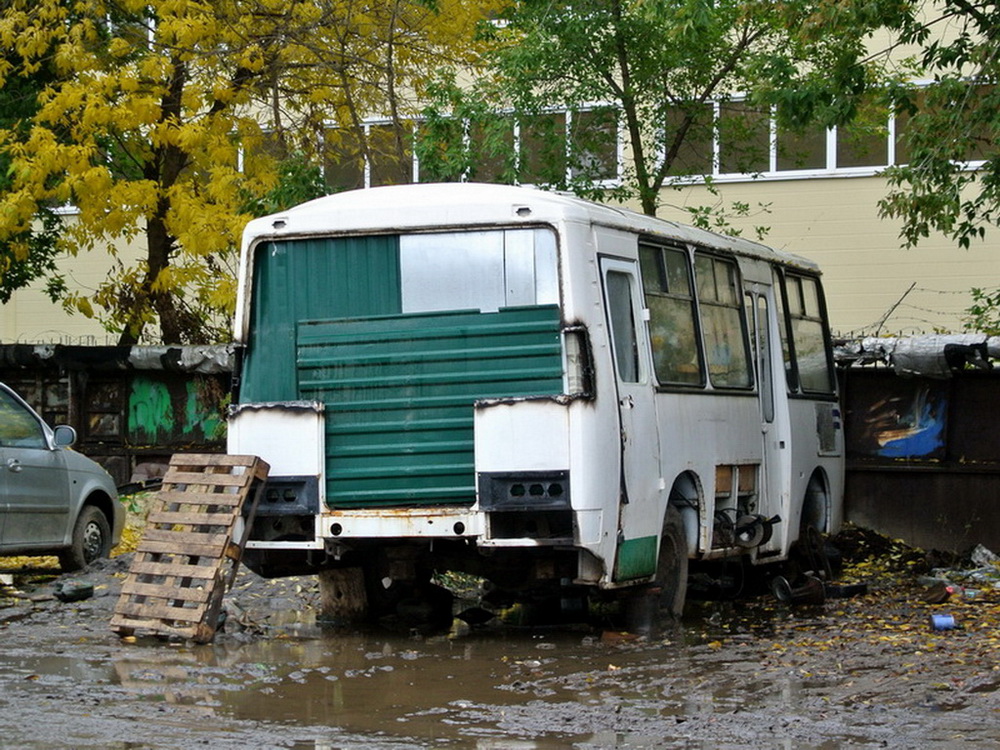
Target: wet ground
(862, 672)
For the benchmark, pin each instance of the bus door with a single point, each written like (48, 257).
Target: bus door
(640, 483)
(772, 497)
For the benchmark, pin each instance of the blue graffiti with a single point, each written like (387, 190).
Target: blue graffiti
(925, 436)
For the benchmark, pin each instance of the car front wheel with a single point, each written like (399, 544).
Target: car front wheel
(91, 540)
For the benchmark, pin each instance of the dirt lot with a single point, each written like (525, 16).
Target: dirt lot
(867, 671)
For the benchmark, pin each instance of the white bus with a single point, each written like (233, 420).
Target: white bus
(531, 388)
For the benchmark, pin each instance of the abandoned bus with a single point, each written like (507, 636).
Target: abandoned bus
(528, 387)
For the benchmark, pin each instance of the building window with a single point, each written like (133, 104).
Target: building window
(344, 162)
(744, 139)
(748, 143)
(390, 149)
(593, 144)
(694, 154)
(548, 148)
(542, 148)
(795, 151)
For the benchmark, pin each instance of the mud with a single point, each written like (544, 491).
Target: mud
(863, 672)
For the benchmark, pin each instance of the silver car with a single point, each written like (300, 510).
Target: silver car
(53, 501)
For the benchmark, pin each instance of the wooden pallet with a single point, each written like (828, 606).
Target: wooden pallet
(188, 555)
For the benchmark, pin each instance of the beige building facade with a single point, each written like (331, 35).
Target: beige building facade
(873, 285)
(32, 318)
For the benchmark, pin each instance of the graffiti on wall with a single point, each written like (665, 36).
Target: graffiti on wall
(162, 412)
(907, 425)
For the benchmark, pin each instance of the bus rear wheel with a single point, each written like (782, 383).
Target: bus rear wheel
(663, 601)
(672, 565)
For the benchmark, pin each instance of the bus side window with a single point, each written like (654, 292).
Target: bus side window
(760, 345)
(786, 351)
(623, 333)
(722, 322)
(672, 330)
(808, 335)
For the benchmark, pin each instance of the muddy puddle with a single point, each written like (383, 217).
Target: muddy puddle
(744, 675)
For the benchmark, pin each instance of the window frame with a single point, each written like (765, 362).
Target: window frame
(737, 305)
(789, 344)
(831, 168)
(519, 139)
(692, 300)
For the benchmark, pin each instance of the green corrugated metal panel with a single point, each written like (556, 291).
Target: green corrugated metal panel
(399, 394)
(343, 277)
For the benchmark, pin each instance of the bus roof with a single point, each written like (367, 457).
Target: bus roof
(417, 207)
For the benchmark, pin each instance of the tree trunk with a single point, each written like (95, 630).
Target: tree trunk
(163, 167)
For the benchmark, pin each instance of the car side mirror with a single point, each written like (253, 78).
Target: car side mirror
(64, 435)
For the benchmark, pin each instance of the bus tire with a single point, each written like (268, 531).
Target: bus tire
(672, 565)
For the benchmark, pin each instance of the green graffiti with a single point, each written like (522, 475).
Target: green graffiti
(158, 414)
(150, 410)
(203, 416)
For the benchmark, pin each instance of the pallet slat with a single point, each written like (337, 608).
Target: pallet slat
(213, 459)
(167, 592)
(192, 518)
(194, 498)
(173, 478)
(168, 547)
(178, 570)
(190, 538)
(187, 556)
(190, 616)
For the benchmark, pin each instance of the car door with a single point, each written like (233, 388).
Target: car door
(35, 481)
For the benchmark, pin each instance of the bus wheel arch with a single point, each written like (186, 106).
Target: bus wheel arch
(812, 552)
(816, 503)
(685, 496)
(678, 543)
(672, 564)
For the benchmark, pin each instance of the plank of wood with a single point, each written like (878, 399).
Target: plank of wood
(168, 497)
(211, 480)
(185, 538)
(177, 570)
(189, 550)
(212, 459)
(128, 626)
(189, 518)
(157, 610)
(166, 592)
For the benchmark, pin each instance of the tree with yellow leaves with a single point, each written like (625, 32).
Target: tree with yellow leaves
(167, 121)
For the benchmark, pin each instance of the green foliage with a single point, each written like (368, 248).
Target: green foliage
(718, 218)
(299, 180)
(166, 124)
(653, 66)
(950, 123)
(30, 253)
(983, 315)
(461, 136)
(941, 128)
